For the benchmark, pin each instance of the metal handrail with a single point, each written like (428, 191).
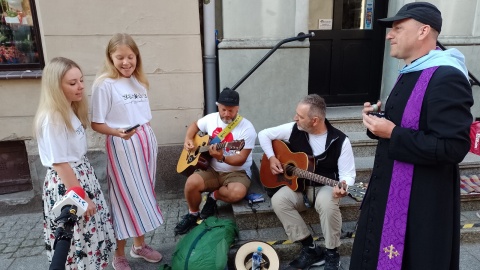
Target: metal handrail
(473, 80)
(300, 37)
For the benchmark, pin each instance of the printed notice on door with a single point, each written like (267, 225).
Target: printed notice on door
(325, 24)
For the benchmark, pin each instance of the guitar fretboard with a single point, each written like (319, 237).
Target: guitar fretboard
(314, 177)
(218, 146)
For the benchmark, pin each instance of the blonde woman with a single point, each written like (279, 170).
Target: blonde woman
(119, 101)
(59, 127)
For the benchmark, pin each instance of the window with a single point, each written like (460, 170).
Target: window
(20, 45)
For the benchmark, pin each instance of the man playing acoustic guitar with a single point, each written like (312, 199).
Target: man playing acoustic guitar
(311, 133)
(228, 176)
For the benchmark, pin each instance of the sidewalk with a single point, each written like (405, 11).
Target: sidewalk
(22, 246)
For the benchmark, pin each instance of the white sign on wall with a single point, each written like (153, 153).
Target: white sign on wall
(325, 24)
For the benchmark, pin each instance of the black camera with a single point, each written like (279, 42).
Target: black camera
(377, 114)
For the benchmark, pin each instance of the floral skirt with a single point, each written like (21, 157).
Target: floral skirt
(93, 237)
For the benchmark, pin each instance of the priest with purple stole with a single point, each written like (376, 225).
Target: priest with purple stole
(410, 216)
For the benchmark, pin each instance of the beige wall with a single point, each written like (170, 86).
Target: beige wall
(168, 34)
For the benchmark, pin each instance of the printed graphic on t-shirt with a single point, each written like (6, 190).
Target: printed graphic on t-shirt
(228, 138)
(80, 131)
(134, 98)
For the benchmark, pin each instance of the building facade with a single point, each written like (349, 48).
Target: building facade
(347, 61)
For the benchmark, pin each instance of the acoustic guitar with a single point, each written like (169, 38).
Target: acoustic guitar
(299, 165)
(198, 157)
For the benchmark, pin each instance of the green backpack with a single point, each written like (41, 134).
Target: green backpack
(205, 246)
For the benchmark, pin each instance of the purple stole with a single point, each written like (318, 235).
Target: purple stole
(395, 222)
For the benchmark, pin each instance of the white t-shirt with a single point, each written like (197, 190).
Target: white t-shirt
(212, 125)
(120, 103)
(57, 144)
(346, 161)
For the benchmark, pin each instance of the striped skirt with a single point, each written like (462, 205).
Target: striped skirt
(131, 172)
(93, 237)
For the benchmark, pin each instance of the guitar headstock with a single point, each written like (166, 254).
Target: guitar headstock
(235, 145)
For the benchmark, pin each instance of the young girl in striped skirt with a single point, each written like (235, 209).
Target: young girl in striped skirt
(59, 127)
(119, 101)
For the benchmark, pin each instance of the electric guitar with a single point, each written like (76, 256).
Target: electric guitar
(299, 165)
(198, 157)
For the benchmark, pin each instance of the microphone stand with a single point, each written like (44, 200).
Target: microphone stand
(63, 236)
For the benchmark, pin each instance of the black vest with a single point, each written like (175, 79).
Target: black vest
(326, 164)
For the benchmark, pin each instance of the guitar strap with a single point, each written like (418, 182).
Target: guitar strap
(220, 136)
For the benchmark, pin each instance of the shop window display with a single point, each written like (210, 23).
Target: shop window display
(19, 36)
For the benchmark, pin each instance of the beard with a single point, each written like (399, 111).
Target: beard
(306, 129)
(228, 121)
(224, 120)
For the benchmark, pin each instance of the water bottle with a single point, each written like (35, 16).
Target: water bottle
(257, 259)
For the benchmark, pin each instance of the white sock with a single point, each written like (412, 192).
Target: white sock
(193, 213)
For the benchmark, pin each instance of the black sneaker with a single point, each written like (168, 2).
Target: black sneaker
(332, 259)
(188, 222)
(209, 208)
(309, 257)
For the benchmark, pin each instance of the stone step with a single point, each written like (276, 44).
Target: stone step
(364, 164)
(261, 215)
(362, 145)
(347, 119)
(287, 251)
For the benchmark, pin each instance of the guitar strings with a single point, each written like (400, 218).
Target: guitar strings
(291, 168)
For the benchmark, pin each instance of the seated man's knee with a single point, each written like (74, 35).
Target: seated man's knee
(280, 201)
(236, 191)
(194, 183)
(324, 202)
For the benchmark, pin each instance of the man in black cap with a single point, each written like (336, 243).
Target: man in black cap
(410, 216)
(228, 176)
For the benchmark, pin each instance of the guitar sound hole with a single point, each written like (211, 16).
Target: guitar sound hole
(289, 168)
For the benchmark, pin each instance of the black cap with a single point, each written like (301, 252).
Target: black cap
(420, 11)
(229, 97)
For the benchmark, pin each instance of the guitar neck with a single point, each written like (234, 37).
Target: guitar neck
(316, 178)
(218, 146)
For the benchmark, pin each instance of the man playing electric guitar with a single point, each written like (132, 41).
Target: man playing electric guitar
(312, 134)
(228, 177)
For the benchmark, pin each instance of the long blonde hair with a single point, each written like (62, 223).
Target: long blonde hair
(110, 71)
(53, 102)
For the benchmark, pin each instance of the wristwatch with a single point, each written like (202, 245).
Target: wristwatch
(221, 160)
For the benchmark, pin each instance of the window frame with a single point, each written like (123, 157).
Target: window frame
(36, 32)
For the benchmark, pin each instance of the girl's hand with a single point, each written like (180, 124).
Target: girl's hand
(91, 209)
(125, 136)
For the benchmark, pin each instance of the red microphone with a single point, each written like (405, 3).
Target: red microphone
(79, 190)
(73, 197)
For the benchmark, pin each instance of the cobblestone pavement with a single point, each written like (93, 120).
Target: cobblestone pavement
(22, 246)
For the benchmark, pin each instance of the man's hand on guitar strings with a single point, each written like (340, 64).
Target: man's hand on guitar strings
(188, 145)
(339, 192)
(275, 165)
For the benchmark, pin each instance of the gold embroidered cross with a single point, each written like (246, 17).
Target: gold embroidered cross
(392, 251)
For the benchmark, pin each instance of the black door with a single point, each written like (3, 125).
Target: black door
(346, 59)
